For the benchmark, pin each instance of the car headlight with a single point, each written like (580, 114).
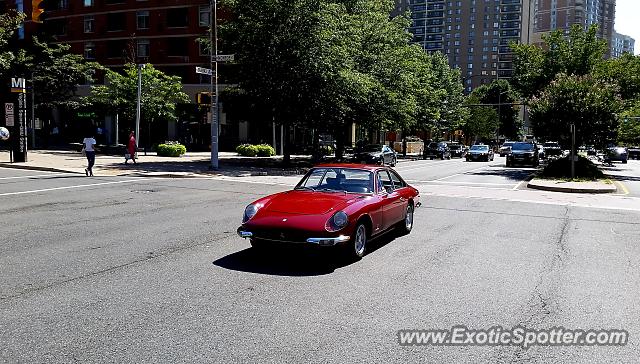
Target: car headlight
(338, 221)
(249, 212)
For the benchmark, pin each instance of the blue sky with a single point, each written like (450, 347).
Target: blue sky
(627, 20)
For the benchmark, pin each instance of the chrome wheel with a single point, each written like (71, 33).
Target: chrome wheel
(408, 219)
(360, 240)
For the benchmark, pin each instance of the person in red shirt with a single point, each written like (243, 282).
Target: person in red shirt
(131, 149)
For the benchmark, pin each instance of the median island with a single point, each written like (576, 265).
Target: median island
(556, 176)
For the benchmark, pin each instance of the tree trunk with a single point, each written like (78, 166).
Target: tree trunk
(286, 159)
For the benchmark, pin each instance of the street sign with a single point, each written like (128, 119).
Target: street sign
(204, 71)
(8, 114)
(225, 57)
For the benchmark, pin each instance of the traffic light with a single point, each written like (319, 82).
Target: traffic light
(36, 11)
(204, 98)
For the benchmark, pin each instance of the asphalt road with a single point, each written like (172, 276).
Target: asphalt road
(150, 270)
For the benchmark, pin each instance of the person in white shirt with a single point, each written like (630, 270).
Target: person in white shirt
(90, 151)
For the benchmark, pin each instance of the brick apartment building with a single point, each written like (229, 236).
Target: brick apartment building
(115, 32)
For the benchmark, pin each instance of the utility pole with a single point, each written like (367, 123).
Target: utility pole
(573, 148)
(213, 40)
(33, 113)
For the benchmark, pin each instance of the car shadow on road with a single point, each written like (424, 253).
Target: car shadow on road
(294, 261)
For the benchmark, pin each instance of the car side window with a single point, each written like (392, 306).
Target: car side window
(385, 180)
(397, 181)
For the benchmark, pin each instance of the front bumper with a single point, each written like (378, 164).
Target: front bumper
(324, 241)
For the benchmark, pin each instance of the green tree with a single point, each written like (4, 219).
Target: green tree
(577, 53)
(500, 94)
(583, 100)
(9, 23)
(482, 122)
(625, 72)
(159, 97)
(629, 128)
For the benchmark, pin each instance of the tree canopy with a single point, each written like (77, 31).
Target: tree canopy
(501, 96)
(327, 64)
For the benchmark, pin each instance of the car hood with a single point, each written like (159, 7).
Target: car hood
(308, 202)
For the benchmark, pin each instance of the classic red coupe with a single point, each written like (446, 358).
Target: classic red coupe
(342, 205)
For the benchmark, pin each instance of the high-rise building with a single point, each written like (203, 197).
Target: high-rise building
(621, 44)
(474, 34)
(562, 14)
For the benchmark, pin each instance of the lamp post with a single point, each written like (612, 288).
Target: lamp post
(140, 68)
(213, 40)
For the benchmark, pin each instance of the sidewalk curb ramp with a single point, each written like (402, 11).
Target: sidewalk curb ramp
(36, 168)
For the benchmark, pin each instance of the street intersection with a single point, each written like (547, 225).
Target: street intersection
(138, 269)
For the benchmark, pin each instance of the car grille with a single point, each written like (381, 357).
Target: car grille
(292, 236)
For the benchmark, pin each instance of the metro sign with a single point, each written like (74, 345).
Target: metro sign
(18, 85)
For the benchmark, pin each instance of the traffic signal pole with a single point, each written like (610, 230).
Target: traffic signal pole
(213, 41)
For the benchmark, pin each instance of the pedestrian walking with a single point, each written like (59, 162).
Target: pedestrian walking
(90, 153)
(131, 149)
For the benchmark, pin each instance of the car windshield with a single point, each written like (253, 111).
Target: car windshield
(480, 147)
(338, 179)
(551, 145)
(372, 148)
(522, 146)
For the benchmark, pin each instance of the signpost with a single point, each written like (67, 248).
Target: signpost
(18, 88)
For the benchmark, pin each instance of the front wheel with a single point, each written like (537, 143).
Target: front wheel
(358, 244)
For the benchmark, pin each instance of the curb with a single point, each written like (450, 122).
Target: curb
(36, 168)
(535, 186)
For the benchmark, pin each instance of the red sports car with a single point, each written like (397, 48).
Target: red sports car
(334, 204)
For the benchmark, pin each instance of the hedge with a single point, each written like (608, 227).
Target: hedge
(171, 150)
(250, 150)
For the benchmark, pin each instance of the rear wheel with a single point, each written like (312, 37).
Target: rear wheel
(624, 161)
(406, 225)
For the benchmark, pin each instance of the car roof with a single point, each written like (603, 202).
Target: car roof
(367, 167)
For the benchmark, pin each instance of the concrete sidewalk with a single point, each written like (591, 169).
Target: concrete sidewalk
(188, 165)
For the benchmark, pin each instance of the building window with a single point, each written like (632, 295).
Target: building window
(115, 49)
(142, 19)
(177, 47)
(88, 3)
(89, 24)
(89, 50)
(143, 48)
(115, 22)
(204, 15)
(177, 18)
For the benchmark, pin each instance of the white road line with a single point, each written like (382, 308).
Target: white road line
(517, 187)
(66, 187)
(435, 181)
(39, 175)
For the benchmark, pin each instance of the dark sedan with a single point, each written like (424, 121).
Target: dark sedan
(437, 150)
(523, 153)
(480, 152)
(552, 149)
(618, 154)
(457, 150)
(376, 154)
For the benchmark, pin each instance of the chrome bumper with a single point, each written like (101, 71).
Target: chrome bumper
(315, 241)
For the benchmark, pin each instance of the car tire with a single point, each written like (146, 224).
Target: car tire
(357, 246)
(624, 161)
(508, 164)
(406, 225)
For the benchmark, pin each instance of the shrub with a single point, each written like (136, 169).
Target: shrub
(247, 150)
(265, 150)
(171, 150)
(561, 168)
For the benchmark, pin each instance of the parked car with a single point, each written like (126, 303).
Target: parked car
(480, 152)
(456, 149)
(523, 153)
(552, 149)
(633, 152)
(505, 148)
(343, 205)
(437, 150)
(376, 154)
(617, 154)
